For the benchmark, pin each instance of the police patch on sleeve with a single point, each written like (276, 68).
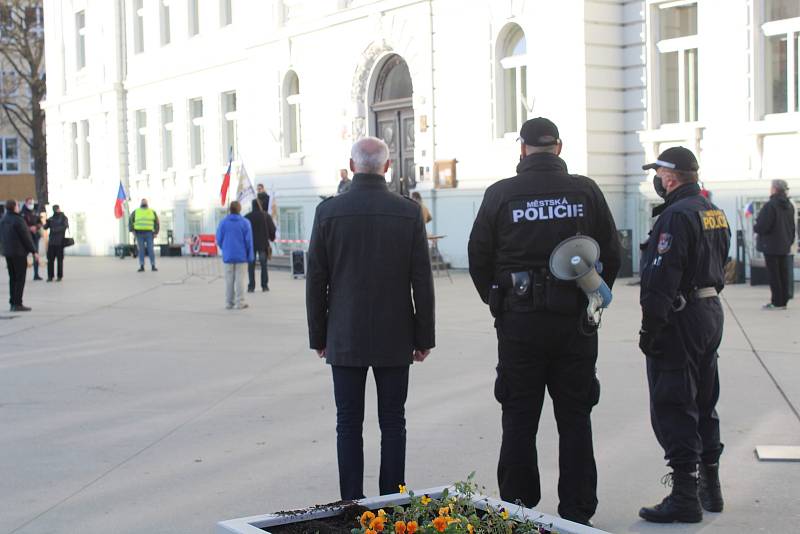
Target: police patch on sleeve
(713, 220)
(545, 209)
(664, 243)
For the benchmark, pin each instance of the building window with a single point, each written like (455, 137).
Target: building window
(138, 26)
(676, 62)
(79, 230)
(194, 17)
(9, 83)
(291, 225)
(86, 149)
(166, 36)
(141, 141)
(193, 222)
(196, 131)
(512, 77)
(225, 12)
(73, 141)
(34, 20)
(781, 31)
(229, 133)
(291, 114)
(166, 137)
(9, 155)
(80, 39)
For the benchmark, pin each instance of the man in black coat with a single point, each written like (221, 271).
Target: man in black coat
(775, 226)
(263, 233)
(17, 244)
(57, 224)
(370, 303)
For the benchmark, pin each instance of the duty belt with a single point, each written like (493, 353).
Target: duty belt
(698, 293)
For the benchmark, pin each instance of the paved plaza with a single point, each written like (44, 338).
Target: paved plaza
(135, 403)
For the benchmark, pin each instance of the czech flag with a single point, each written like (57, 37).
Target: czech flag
(118, 211)
(226, 180)
(749, 210)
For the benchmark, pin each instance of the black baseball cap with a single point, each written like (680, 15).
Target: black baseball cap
(677, 158)
(539, 132)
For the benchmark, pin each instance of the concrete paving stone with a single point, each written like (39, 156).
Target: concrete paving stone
(134, 402)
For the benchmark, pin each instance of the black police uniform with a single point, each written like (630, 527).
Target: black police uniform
(540, 339)
(682, 271)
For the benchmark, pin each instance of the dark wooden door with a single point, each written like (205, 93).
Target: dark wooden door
(396, 127)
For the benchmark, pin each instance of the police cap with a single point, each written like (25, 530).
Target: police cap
(677, 158)
(539, 132)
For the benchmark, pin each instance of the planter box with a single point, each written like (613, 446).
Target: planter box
(260, 524)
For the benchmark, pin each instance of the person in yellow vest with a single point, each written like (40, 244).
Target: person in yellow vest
(144, 224)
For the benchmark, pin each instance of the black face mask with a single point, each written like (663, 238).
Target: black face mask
(658, 185)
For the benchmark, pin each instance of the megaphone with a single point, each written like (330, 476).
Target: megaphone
(575, 259)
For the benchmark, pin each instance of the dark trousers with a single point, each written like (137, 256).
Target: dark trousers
(261, 256)
(55, 253)
(35, 238)
(539, 351)
(348, 389)
(17, 265)
(684, 386)
(778, 274)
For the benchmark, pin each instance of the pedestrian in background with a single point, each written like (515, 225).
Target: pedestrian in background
(34, 221)
(683, 270)
(426, 213)
(262, 196)
(144, 224)
(344, 182)
(17, 242)
(775, 226)
(369, 298)
(263, 233)
(235, 240)
(58, 225)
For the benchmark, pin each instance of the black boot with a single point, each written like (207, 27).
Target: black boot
(680, 506)
(709, 490)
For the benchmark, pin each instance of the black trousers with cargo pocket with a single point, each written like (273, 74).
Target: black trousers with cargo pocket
(538, 352)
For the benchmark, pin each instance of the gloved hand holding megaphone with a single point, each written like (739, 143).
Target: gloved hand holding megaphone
(575, 259)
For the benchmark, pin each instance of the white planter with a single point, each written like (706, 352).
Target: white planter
(259, 524)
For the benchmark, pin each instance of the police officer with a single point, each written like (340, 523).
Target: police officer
(143, 222)
(682, 272)
(544, 338)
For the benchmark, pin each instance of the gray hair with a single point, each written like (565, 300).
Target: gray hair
(780, 185)
(369, 155)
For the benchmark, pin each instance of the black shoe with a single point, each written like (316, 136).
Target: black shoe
(49, 279)
(681, 506)
(58, 279)
(251, 289)
(153, 268)
(709, 489)
(141, 269)
(38, 278)
(20, 308)
(265, 289)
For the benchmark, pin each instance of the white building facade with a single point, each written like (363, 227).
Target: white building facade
(154, 93)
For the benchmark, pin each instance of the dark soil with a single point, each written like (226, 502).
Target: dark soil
(342, 523)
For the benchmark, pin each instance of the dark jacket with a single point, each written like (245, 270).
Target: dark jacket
(31, 218)
(522, 219)
(687, 250)
(15, 236)
(775, 226)
(369, 287)
(57, 224)
(263, 227)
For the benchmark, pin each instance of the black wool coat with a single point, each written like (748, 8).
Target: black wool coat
(775, 226)
(15, 236)
(57, 224)
(369, 286)
(263, 228)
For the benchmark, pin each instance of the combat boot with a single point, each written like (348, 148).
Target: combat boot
(681, 506)
(709, 489)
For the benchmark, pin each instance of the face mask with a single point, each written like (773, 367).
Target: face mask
(658, 185)
(29, 205)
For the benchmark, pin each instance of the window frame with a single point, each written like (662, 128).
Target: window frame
(790, 28)
(4, 161)
(292, 116)
(167, 140)
(138, 26)
(225, 13)
(196, 134)
(85, 138)
(682, 46)
(193, 17)
(140, 123)
(164, 22)
(506, 62)
(80, 40)
(229, 119)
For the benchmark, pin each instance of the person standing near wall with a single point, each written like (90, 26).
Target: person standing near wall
(17, 242)
(144, 224)
(57, 224)
(776, 228)
(34, 222)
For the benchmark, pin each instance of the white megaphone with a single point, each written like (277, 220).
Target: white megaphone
(575, 259)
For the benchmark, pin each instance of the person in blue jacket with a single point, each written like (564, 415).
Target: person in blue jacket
(235, 240)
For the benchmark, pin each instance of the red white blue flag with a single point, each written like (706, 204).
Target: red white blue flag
(226, 180)
(121, 198)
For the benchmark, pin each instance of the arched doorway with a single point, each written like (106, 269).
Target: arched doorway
(393, 119)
